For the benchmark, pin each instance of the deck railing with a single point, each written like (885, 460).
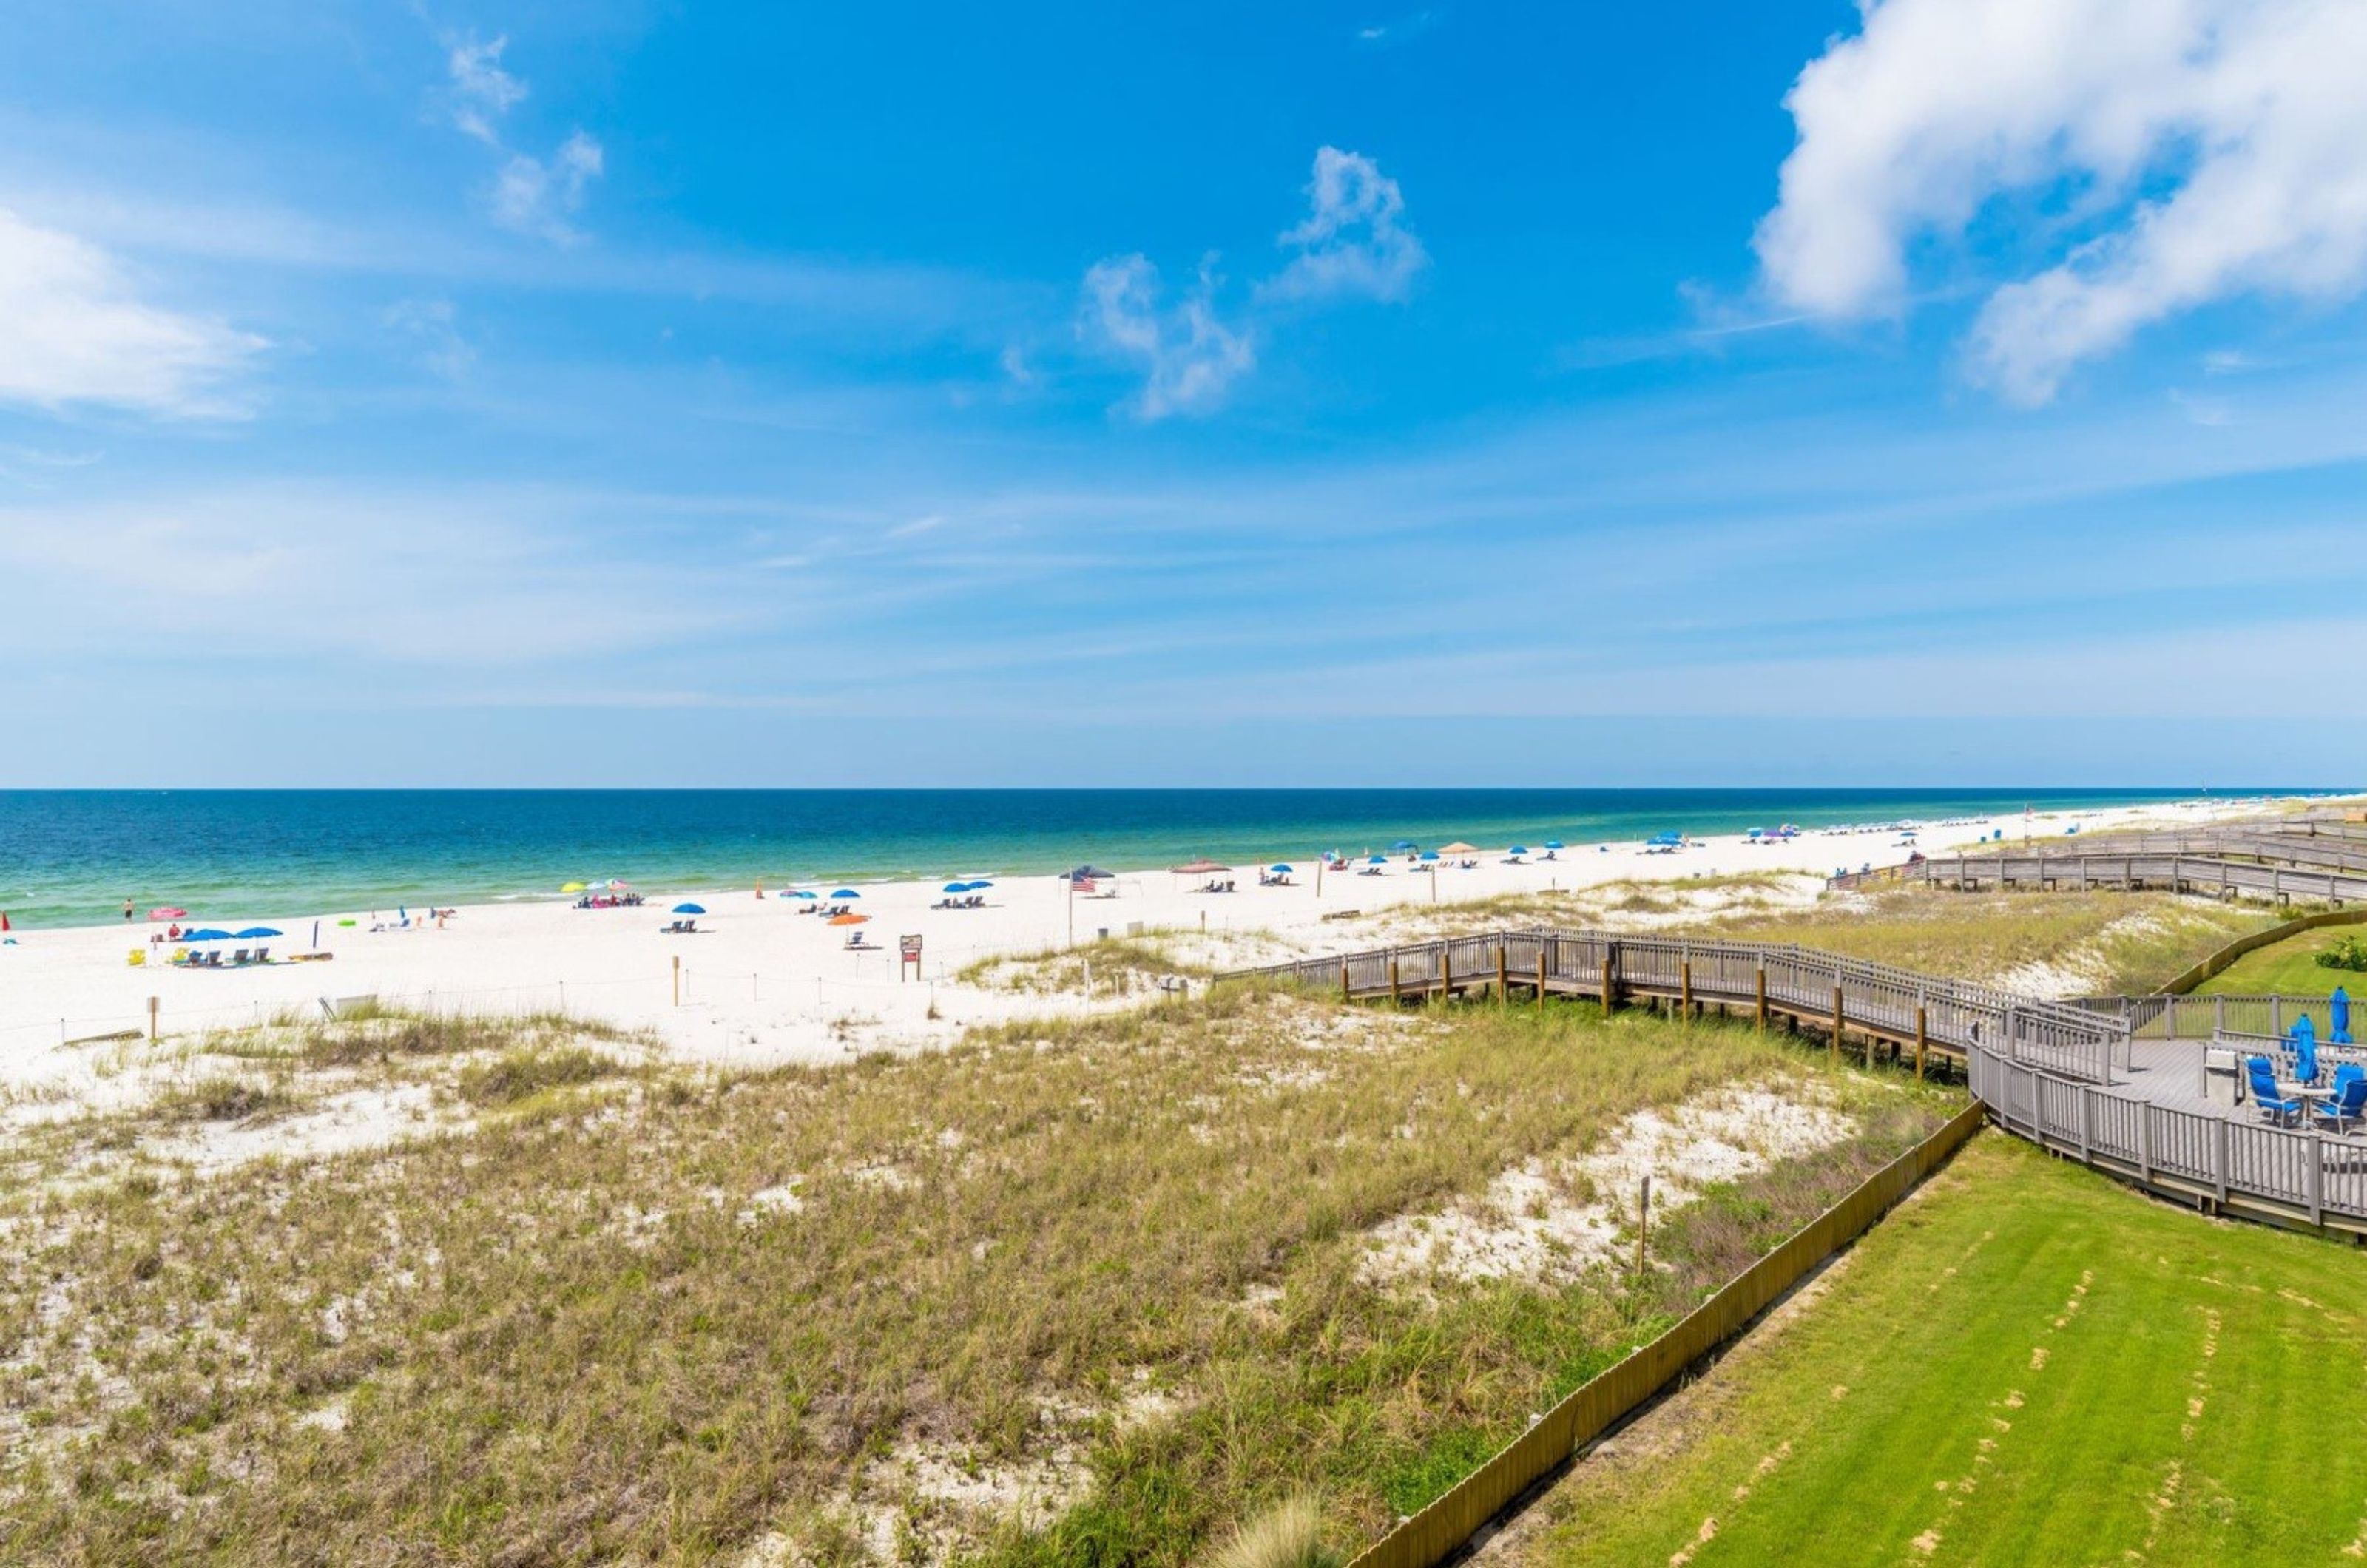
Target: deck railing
(2188, 873)
(2046, 1068)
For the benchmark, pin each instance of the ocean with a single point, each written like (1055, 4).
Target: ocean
(71, 857)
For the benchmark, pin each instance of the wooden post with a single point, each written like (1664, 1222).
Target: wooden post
(1919, 1038)
(1763, 998)
(152, 1021)
(1395, 996)
(1445, 972)
(1607, 992)
(1346, 995)
(678, 979)
(1685, 990)
(1503, 972)
(1643, 1218)
(1835, 1051)
(1541, 976)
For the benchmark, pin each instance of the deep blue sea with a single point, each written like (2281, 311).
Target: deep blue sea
(73, 857)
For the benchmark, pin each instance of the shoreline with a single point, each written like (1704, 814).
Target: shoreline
(761, 984)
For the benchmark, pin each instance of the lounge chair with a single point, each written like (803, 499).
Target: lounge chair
(2273, 1105)
(2344, 1106)
(262, 955)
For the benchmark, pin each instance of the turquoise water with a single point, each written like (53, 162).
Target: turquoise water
(73, 857)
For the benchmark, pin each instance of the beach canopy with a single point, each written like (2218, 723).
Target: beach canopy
(169, 912)
(689, 909)
(253, 933)
(570, 887)
(1200, 867)
(845, 893)
(848, 919)
(1087, 874)
(1459, 848)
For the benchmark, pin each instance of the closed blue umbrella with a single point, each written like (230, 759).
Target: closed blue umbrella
(2305, 1044)
(689, 909)
(2337, 1008)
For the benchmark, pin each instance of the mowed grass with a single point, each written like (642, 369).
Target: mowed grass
(659, 1317)
(2029, 1364)
(2290, 968)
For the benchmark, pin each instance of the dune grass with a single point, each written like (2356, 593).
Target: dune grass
(663, 1317)
(2101, 943)
(2029, 1364)
(2291, 969)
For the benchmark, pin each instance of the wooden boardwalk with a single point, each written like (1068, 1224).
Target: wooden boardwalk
(2078, 1080)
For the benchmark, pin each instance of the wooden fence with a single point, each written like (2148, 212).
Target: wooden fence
(1440, 1529)
(2170, 873)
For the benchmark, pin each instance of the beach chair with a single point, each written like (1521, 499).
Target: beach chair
(262, 955)
(2263, 1084)
(138, 959)
(2343, 1108)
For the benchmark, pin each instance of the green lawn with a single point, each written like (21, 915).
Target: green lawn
(2290, 967)
(2029, 1364)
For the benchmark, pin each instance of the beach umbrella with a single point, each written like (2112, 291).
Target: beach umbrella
(1428, 855)
(1554, 843)
(1518, 849)
(1403, 844)
(253, 933)
(1087, 874)
(617, 885)
(846, 893)
(1376, 859)
(209, 934)
(1201, 867)
(954, 887)
(1281, 870)
(690, 908)
(570, 887)
(848, 919)
(1459, 848)
(979, 884)
(801, 893)
(169, 912)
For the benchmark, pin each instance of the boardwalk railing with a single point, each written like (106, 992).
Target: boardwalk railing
(2172, 872)
(1822, 988)
(2201, 1017)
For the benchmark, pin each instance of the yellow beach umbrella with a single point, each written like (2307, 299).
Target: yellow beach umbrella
(570, 887)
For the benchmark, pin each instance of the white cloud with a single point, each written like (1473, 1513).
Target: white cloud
(536, 197)
(1352, 245)
(530, 195)
(72, 331)
(2207, 148)
(1352, 242)
(481, 91)
(1188, 356)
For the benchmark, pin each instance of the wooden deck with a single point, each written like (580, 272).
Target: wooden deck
(2074, 1079)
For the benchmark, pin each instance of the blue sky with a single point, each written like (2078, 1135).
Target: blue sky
(1962, 391)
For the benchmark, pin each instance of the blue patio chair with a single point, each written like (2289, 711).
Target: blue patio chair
(2342, 1108)
(2273, 1106)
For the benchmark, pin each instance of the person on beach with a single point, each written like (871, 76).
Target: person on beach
(126, 909)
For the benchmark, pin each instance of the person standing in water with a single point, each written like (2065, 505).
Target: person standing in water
(126, 909)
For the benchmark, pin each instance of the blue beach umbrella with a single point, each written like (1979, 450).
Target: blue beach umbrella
(252, 932)
(979, 884)
(1553, 843)
(801, 893)
(1518, 849)
(689, 909)
(845, 893)
(1401, 844)
(1428, 855)
(1376, 859)
(209, 934)
(1280, 869)
(954, 887)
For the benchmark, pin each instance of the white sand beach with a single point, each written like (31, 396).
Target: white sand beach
(762, 983)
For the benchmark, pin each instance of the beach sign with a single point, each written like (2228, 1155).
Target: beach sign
(908, 951)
